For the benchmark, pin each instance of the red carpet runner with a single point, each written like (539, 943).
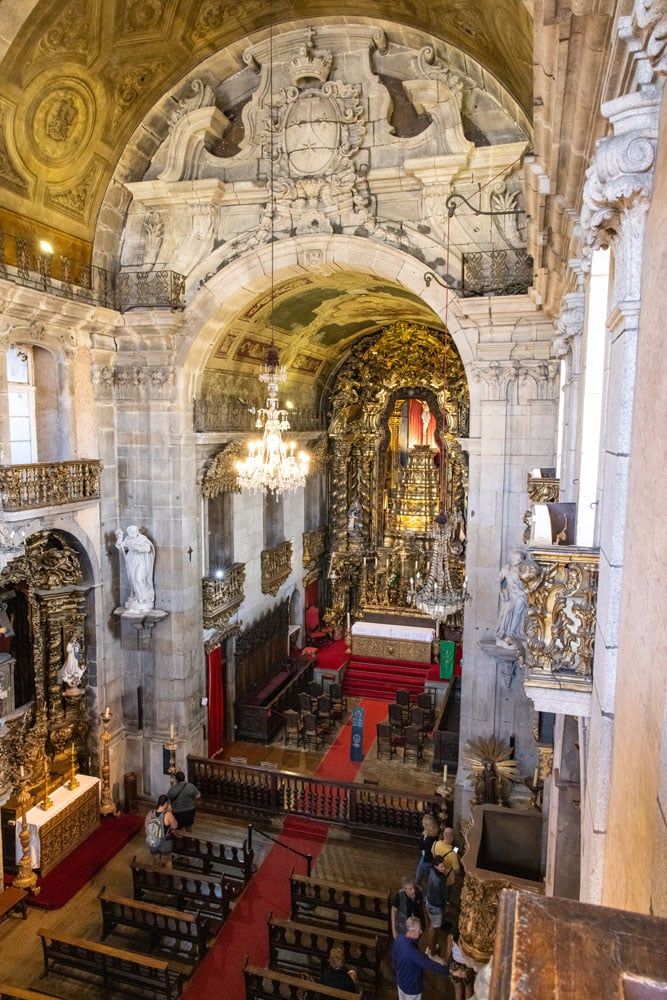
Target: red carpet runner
(244, 934)
(67, 878)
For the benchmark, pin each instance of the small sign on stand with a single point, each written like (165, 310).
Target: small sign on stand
(357, 738)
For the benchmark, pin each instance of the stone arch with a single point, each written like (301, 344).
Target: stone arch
(228, 291)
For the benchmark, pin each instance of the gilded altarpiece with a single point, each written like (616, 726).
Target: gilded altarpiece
(45, 591)
(398, 408)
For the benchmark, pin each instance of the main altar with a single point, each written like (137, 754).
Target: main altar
(392, 641)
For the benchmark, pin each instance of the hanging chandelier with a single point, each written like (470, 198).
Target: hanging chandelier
(272, 465)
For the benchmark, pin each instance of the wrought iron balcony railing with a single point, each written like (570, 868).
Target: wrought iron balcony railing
(496, 272)
(562, 584)
(72, 279)
(223, 595)
(276, 567)
(48, 484)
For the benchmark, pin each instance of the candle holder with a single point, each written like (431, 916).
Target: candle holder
(171, 746)
(25, 877)
(48, 802)
(73, 780)
(107, 805)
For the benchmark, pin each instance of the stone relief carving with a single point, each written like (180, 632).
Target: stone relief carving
(570, 322)
(135, 16)
(153, 236)
(76, 200)
(73, 32)
(128, 81)
(202, 96)
(132, 381)
(648, 27)
(61, 119)
(9, 175)
(538, 378)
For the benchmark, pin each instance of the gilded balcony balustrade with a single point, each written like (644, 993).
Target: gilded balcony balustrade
(313, 547)
(223, 595)
(48, 484)
(561, 584)
(543, 490)
(276, 567)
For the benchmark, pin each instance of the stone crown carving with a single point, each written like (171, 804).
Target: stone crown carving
(310, 64)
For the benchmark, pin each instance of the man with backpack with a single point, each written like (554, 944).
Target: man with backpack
(160, 826)
(182, 795)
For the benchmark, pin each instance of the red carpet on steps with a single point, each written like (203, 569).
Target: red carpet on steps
(61, 884)
(371, 677)
(333, 656)
(244, 935)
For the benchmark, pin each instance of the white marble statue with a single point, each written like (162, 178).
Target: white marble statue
(72, 669)
(513, 602)
(139, 554)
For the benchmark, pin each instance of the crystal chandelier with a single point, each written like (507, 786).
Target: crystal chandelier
(271, 465)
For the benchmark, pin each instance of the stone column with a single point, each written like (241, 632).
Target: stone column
(615, 203)
(514, 430)
(567, 346)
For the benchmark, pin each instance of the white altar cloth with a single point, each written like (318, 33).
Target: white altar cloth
(37, 816)
(379, 630)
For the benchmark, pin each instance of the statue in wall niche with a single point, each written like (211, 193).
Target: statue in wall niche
(354, 517)
(72, 669)
(138, 553)
(513, 602)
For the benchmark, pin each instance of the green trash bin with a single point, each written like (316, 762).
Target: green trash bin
(447, 651)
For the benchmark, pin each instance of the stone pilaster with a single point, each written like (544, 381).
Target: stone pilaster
(567, 346)
(615, 204)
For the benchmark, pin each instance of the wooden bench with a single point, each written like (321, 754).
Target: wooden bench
(8, 992)
(298, 947)
(191, 934)
(210, 898)
(342, 907)
(208, 857)
(13, 901)
(120, 970)
(267, 984)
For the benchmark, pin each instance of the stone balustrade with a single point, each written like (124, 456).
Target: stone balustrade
(223, 595)
(561, 583)
(543, 490)
(48, 484)
(313, 547)
(276, 567)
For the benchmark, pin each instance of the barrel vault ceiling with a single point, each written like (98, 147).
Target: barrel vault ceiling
(80, 75)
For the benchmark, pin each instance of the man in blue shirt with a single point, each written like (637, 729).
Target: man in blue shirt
(410, 963)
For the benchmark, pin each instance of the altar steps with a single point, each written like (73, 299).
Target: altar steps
(371, 677)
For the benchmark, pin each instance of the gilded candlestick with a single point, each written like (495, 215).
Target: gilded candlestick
(25, 877)
(47, 803)
(107, 805)
(171, 748)
(73, 780)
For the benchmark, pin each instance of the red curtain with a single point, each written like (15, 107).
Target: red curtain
(310, 594)
(216, 700)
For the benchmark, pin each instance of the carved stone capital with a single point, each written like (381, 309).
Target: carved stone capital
(645, 33)
(133, 382)
(570, 323)
(494, 378)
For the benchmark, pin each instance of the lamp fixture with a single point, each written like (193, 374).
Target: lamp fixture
(271, 465)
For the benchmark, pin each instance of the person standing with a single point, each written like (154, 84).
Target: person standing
(430, 834)
(407, 902)
(410, 963)
(160, 826)
(182, 795)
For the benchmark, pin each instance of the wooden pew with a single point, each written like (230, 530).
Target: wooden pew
(208, 857)
(191, 934)
(297, 947)
(120, 970)
(210, 898)
(343, 907)
(8, 992)
(266, 984)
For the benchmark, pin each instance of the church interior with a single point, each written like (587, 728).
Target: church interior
(333, 410)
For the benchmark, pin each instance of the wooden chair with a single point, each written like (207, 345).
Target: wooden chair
(292, 727)
(426, 703)
(396, 717)
(304, 704)
(314, 690)
(317, 634)
(310, 731)
(412, 746)
(403, 699)
(338, 699)
(324, 712)
(418, 718)
(385, 743)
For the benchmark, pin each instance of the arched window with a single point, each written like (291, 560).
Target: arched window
(595, 331)
(37, 406)
(21, 405)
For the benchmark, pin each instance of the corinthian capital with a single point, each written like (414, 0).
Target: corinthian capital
(570, 322)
